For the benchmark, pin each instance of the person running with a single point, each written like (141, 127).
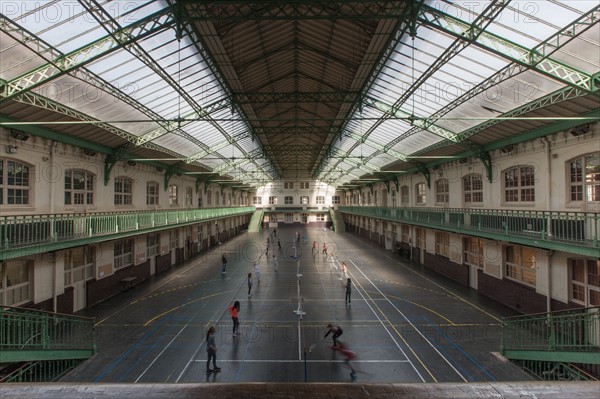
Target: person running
(348, 290)
(224, 264)
(344, 350)
(343, 273)
(325, 249)
(275, 263)
(211, 349)
(249, 285)
(279, 244)
(233, 311)
(336, 330)
(257, 273)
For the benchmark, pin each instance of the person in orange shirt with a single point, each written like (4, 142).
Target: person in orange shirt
(233, 310)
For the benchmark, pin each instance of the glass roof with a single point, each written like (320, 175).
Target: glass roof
(155, 80)
(158, 87)
(449, 91)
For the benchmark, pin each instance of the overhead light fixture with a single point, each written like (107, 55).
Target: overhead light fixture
(507, 149)
(580, 130)
(19, 135)
(12, 149)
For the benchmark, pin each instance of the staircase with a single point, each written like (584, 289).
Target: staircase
(338, 220)
(255, 224)
(42, 346)
(562, 345)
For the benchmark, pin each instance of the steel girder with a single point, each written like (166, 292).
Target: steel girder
(61, 65)
(198, 41)
(29, 40)
(556, 97)
(536, 59)
(113, 29)
(477, 27)
(406, 22)
(272, 10)
(552, 44)
(390, 110)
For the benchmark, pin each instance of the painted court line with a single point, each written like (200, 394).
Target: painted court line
(412, 325)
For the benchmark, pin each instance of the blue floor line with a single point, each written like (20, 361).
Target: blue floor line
(454, 344)
(138, 344)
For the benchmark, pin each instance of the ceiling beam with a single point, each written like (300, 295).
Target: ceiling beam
(277, 10)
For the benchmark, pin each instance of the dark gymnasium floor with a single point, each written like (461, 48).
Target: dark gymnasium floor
(404, 324)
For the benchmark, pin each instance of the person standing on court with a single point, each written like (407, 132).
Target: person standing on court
(325, 249)
(224, 264)
(211, 349)
(249, 285)
(233, 311)
(348, 289)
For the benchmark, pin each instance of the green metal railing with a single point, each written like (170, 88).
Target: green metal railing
(567, 336)
(19, 232)
(43, 371)
(576, 231)
(555, 371)
(27, 335)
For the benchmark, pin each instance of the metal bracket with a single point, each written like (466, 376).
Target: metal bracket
(111, 160)
(168, 174)
(483, 156)
(387, 185)
(424, 171)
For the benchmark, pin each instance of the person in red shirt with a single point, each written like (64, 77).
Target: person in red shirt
(233, 310)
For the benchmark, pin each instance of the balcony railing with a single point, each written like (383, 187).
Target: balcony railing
(579, 228)
(569, 336)
(37, 335)
(17, 232)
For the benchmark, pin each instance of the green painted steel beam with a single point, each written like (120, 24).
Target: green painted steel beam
(27, 355)
(294, 97)
(276, 10)
(80, 143)
(532, 58)
(479, 25)
(580, 357)
(152, 24)
(556, 97)
(198, 41)
(403, 25)
(419, 123)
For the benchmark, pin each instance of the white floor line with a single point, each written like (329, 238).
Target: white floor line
(194, 355)
(302, 361)
(356, 287)
(411, 324)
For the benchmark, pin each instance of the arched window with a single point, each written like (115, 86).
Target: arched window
(442, 191)
(420, 194)
(79, 187)
(584, 178)
(14, 183)
(123, 191)
(519, 184)
(152, 193)
(473, 189)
